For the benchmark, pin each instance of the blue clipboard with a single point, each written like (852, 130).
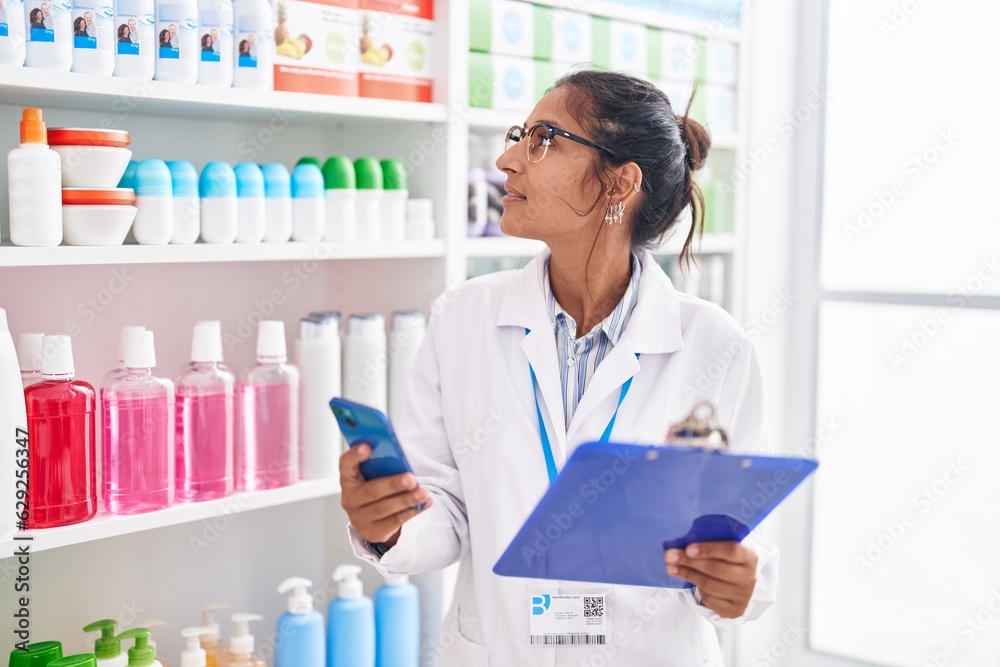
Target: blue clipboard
(614, 509)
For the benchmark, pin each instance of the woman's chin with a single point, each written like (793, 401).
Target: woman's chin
(514, 228)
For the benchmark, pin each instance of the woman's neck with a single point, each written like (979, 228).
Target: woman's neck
(589, 289)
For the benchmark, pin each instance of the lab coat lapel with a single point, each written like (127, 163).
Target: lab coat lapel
(617, 367)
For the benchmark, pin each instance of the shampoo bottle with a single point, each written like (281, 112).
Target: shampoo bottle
(14, 422)
(368, 172)
(108, 648)
(211, 639)
(308, 210)
(187, 209)
(301, 628)
(397, 624)
(61, 421)
(269, 414)
(138, 411)
(319, 361)
(142, 654)
(134, 44)
(253, 44)
(12, 41)
(215, 46)
(341, 200)
(49, 31)
(365, 378)
(205, 420)
(277, 203)
(241, 644)
(29, 357)
(250, 202)
(219, 212)
(34, 178)
(351, 619)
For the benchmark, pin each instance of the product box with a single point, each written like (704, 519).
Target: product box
(504, 27)
(397, 49)
(721, 62)
(681, 56)
(621, 46)
(564, 36)
(679, 92)
(508, 82)
(720, 107)
(317, 48)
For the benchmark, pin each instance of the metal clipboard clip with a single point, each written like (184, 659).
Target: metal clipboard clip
(699, 430)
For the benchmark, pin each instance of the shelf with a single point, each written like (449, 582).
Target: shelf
(650, 17)
(509, 246)
(202, 252)
(39, 87)
(106, 525)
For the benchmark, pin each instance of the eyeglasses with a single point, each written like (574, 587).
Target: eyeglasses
(541, 136)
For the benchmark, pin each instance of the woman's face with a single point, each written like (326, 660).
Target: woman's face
(545, 199)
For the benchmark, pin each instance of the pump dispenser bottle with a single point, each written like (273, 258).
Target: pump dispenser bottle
(193, 654)
(34, 181)
(351, 618)
(241, 644)
(301, 628)
(108, 648)
(211, 640)
(142, 654)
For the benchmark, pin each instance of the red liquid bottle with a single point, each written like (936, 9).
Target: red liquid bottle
(61, 466)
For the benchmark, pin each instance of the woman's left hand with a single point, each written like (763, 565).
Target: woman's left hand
(724, 572)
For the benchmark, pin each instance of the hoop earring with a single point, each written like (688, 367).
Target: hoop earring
(615, 213)
(636, 185)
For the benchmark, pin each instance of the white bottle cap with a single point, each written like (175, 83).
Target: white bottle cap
(366, 325)
(207, 619)
(408, 320)
(350, 586)
(206, 343)
(271, 342)
(241, 642)
(122, 343)
(193, 654)
(57, 358)
(300, 601)
(318, 325)
(397, 581)
(420, 209)
(139, 350)
(29, 349)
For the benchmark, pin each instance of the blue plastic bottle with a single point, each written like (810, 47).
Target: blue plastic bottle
(300, 629)
(351, 630)
(397, 624)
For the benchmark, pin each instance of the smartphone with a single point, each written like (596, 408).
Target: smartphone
(364, 424)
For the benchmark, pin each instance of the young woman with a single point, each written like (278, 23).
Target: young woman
(518, 368)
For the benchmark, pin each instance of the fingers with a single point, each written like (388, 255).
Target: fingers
(706, 584)
(727, 550)
(385, 529)
(722, 607)
(384, 508)
(350, 464)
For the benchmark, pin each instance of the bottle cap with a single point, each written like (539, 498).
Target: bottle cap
(217, 180)
(309, 159)
(368, 173)
(183, 178)
(107, 646)
(300, 601)
(206, 343)
(307, 182)
(139, 350)
(397, 581)
(366, 325)
(33, 126)
(325, 315)
(313, 327)
(29, 348)
(420, 209)
(350, 586)
(271, 347)
(193, 654)
(249, 180)
(98, 196)
(57, 358)
(152, 179)
(408, 320)
(241, 642)
(121, 343)
(338, 173)
(277, 182)
(38, 654)
(142, 654)
(129, 175)
(78, 660)
(207, 619)
(393, 174)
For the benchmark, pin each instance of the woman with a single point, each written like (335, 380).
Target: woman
(80, 27)
(124, 34)
(164, 38)
(35, 19)
(602, 171)
(206, 42)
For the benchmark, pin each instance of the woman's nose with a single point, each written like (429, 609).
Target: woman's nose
(509, 160)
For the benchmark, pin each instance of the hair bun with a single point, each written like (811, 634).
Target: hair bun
(697, 141)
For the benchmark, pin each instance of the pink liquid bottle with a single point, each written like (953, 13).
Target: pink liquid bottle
(206, 421)
(119, 370)
(61, 420)
(138, 444)
(269, 414)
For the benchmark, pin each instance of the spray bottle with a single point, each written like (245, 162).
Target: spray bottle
(300, 629)
(351, 633)
(241, 644)
(108, 648)
(142, 654)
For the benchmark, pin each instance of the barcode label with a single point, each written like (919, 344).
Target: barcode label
(593, 607)
(567, 640)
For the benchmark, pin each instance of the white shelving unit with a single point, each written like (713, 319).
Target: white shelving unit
(509, 246)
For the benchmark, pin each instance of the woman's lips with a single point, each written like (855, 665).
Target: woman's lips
(512, 195)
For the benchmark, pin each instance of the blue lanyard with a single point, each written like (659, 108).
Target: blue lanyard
(550, 462)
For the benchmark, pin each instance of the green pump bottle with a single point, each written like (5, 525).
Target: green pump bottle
(142, 654)
(108, 648)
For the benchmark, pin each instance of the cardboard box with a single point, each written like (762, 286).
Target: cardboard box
(564, 36)
(681, 56)
(317, 46)
(507, 82)
(505, 27)
(397, 50)
(721, 62)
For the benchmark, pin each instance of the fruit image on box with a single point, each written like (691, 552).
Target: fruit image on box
(316, 46)
(396, 46)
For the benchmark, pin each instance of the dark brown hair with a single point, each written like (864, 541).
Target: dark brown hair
(635, 120)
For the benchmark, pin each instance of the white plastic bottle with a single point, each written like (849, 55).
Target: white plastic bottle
(12, 37)
(215, 43)
(176, 41)
(48, 27)
(14, 425)
(365, 376)
(134, 25)
(219, 212)
(249, 202)
(34, 173)
(319, 362)
(187, 207)
(420, 220)
(29, 357)
(253, 45)
(277, 203)
(394, 197)
(368, 172)
(154, 221)
(408, 328)
(341, 200)
(193, 654)
(308, 205)
(93, 37)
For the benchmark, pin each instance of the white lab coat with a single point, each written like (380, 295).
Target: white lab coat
(470, 432)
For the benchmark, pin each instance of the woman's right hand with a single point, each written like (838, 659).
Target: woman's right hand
(378, 508)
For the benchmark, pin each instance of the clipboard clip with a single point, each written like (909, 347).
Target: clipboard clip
(699, 430)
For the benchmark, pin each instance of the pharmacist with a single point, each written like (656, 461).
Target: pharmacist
(602, 169)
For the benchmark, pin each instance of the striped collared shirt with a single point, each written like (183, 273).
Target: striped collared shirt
(580, 357)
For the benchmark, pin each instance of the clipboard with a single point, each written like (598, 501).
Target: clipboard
(614, 508)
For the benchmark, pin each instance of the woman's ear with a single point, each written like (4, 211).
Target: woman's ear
(627, 181)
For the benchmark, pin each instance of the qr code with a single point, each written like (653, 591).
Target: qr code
(593, 607)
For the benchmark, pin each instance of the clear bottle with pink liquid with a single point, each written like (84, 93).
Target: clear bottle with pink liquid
(205, 420)
(138, 435)
(269, 414)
